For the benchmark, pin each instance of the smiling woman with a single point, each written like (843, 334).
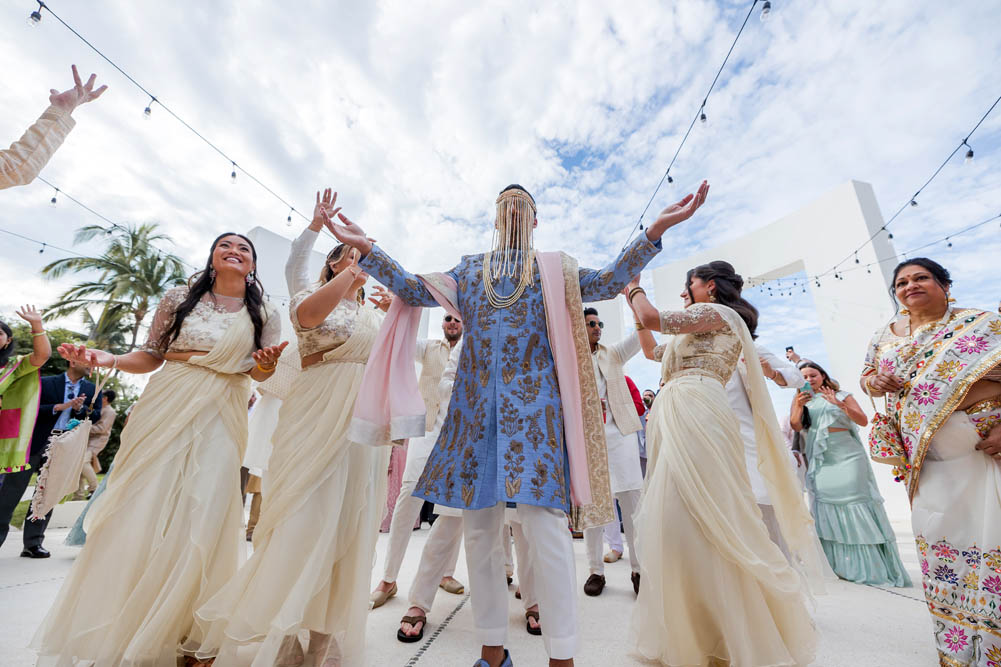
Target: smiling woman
(166, 533)
(939, 368)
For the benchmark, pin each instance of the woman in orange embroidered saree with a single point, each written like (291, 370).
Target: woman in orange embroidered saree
(938, 369)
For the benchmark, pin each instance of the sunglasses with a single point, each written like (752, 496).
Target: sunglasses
(449, 318)
(593, 324)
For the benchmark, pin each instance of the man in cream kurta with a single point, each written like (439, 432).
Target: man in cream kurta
(784, 374)
(433, 356)
(621, 426)
(21, 163)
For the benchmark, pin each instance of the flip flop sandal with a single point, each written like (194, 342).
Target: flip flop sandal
(412, 620)
(528, 626)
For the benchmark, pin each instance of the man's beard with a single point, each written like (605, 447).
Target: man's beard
(452, 337)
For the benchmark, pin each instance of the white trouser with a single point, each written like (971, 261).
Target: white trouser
(613, 536)
(526, 571)
(438, 558)
(408, 508)
(551, 554)
(628, 502)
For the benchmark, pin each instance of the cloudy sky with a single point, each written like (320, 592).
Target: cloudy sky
(418, 113)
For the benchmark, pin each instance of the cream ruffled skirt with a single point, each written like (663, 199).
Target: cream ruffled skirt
(314, 546)
(165, 535)
(716, 590)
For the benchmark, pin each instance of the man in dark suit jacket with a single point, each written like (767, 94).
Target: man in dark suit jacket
(63, 397)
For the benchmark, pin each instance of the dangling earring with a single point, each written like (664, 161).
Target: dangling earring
(212, 274)
(249, 278)
(712, 297)
(949, 299)
(904, 311)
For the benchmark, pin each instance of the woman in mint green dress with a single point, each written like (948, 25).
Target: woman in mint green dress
(851, 522)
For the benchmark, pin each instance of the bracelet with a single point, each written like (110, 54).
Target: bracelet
(639, 326)
(634, 291)
(269, 369)
(38, 333)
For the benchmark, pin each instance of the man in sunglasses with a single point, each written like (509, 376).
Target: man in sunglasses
(621, 425)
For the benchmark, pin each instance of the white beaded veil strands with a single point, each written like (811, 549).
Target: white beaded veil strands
(513, 231)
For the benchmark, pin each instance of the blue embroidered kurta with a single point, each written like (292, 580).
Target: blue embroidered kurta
(502, 439)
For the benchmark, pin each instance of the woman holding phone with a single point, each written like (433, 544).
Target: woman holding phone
(851, 522)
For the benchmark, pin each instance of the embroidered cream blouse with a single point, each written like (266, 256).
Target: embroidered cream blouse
(703, 344)
(332, 332)
(206, 324)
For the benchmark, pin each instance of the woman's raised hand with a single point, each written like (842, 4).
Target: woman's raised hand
(31, 316)
(81, 355)
(324, 209)
(831, 397)
(267, 357)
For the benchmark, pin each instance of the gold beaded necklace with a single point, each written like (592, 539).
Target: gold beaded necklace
(513, 238)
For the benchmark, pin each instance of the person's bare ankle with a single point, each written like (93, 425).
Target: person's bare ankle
(494, 655)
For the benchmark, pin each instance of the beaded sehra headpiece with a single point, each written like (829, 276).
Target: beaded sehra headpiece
(513, 230)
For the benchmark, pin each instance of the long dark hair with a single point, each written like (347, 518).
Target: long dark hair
(728, 287)
(828, 381)
(937, 271)
(201, 284)
(8, 351)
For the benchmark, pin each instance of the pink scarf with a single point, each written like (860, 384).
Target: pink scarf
(389, 406)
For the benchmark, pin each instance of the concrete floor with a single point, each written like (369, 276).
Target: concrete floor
(859, 625)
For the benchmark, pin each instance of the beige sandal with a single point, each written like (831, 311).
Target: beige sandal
(379, 598)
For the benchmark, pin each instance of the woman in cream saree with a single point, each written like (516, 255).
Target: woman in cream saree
(939, 369)
(323, 499)
(167, 532)
(716, 589)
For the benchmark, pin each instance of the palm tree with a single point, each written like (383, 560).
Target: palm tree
(131, 275)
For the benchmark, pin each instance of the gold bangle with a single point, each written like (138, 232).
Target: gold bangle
(37, 333)
(639, 326)
(269, 369)
(633, 292)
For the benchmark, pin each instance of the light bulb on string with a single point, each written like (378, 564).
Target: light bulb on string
(52, 202)
(35, 17)
(949, 244)
(702, 113)
(232, 176)
(856, 259)
(42, 249)
(914, 202)
(148, 111)
(670, 179)
(766, 10)
(288, 221)
(969, 153)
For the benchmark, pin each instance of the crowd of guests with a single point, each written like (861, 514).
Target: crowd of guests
(522, 428)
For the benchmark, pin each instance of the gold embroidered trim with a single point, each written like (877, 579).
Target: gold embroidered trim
(976, 626)
(602, 509)
(985, 405)
(981, 369)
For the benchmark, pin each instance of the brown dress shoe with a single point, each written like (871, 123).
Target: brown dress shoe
(636, 582)
(594, 585)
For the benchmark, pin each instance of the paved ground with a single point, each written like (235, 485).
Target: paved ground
(859, 625)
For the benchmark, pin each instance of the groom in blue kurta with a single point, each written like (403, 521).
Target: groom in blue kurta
(502, 440)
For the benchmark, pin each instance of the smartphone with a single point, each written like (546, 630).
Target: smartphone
(806, 389)
(789, 348)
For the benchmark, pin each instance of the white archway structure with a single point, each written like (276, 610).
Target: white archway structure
(814, 239)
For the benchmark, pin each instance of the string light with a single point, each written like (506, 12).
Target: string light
(35, 17)
(42, 249)
(699, 115)
(288, 221)
(232, 176)
(766, 10)
(969, 153)
(52, 202)
(913, 200)
(148, 111)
